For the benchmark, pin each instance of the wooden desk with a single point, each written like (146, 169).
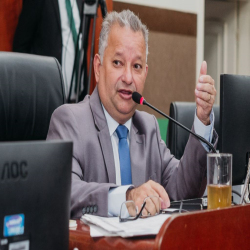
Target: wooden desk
(219, 229)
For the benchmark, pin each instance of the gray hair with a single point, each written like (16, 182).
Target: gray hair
(126, 18)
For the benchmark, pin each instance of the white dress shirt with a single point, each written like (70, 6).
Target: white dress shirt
(68, 46)
(117, 195)
(203, 130)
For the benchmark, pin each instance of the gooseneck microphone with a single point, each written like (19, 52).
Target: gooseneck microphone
(140, 100)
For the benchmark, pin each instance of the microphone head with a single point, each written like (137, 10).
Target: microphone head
(138, 98)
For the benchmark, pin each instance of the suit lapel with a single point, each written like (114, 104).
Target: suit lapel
(137, 155)
(108, 156)
(103, 134)
(57, 11)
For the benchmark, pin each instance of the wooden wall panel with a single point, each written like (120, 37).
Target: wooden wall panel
(172, 55)
(163, 20)
(9, 14)
(172, 67)
(99, 19)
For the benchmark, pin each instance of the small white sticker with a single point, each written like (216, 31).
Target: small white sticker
(21, 245)
(4, 242)
(204, 201)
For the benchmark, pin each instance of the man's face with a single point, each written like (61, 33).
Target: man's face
(122, 72)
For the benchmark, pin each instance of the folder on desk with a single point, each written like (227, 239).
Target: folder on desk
(110, 226)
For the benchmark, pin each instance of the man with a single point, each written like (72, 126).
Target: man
(95, 125)
(45, 28)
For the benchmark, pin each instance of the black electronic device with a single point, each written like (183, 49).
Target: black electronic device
(35, 180)
(235, 122)
(190, 204)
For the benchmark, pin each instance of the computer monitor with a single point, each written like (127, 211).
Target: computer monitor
(235, 122)
(35, 181)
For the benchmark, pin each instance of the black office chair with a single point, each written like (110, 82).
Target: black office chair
(31, 88)
(184, 112)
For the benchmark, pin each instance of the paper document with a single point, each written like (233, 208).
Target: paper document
(102, 226)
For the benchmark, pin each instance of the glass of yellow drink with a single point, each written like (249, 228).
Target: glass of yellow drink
(219, 180)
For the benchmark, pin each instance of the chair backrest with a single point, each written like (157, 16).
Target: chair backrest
(31, 88)
(184, 112)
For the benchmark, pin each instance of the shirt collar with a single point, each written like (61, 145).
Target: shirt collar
(112, 124)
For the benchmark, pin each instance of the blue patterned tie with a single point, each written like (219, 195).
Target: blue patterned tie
(124, 155)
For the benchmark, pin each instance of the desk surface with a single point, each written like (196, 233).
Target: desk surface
(218, 229)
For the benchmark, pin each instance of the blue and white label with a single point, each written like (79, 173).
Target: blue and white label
(13, 225)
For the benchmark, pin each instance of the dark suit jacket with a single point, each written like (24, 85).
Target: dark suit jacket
(39, 29)
(93, 170)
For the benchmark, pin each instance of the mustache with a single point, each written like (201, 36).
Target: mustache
(130, 88)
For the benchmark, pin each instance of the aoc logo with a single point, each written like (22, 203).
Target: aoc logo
(14, 170)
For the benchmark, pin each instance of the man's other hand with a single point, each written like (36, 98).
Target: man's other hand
(149, 188)
(205, 93)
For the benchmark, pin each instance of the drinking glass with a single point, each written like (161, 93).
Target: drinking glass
(219, 180)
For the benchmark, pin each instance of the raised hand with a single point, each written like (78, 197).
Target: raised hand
(205, 93)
